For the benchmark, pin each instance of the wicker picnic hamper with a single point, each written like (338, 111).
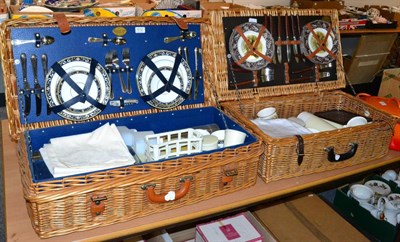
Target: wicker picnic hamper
(293, 156)
(64, 205)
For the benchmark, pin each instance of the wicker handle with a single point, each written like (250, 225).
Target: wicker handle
(332, 157)
(171, 195)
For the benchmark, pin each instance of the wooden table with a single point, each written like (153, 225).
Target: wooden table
(18, 225)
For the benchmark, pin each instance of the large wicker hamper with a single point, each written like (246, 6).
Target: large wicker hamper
(80, 202)
(293, 156)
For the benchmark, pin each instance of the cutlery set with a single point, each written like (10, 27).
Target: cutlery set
(112, 65)
(36, 90)
(184, 52)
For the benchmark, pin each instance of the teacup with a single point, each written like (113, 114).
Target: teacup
(362, 193)
(267, 113)
(356, 121)
(389, 175)
(391, 213)
(234, 137)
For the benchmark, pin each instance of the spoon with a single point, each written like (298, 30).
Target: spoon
(45, 40)
(116, 40)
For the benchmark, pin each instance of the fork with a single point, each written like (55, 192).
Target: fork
(126, 60)
(115, 62)
(109, 67)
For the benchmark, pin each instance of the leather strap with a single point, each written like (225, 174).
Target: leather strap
(62, 22)
(181, 23)
(300, 149)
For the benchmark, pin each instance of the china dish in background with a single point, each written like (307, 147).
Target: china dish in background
(77, 88)
(318, 42)
(251, 46)
(158, 70)
(69, 5)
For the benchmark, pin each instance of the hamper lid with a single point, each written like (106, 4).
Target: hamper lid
(83, 75)
(252, 53)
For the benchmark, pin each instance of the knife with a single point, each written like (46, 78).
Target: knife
(298, 29)
(37, 87)
(186, 52)
(288, 48)
(196, 73)
(295, 50)
(26, 88)
(279, 47)
(45, 70)
(271, 28)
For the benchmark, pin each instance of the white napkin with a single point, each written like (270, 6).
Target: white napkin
(280, 128)
(101, 149)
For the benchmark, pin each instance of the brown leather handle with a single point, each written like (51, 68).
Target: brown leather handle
(181, 23)
(171, 195)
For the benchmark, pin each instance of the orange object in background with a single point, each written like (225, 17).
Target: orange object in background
(389, 105)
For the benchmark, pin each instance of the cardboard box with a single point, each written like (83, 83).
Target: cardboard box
(362, 218)
(307, 218)
(390, 84)
(233, 229)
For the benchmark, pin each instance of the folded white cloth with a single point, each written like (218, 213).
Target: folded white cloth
(101, 149)
(280, 128)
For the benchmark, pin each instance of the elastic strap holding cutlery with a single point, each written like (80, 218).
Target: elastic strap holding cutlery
(252, 47)
(168, 84)
(322, 43)
(83, 94)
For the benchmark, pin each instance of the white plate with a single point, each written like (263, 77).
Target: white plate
(58, 91)
(379, 187)
(148, 82)
(309, 44)
(239, 48)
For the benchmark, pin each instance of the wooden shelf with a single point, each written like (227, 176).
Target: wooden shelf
(18, 224)
(369, 31)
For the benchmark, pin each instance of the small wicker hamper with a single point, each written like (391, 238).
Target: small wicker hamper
(88, 200)
(292, 80)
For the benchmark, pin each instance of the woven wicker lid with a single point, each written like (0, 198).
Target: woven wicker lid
(218, 67)
(18, 123)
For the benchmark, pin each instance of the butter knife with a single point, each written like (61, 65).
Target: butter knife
(279, 47)
(26, 86)
(196, 73)
(295, 50)
(45, 70)
(37, 87)
(271, 28)
(288, 47)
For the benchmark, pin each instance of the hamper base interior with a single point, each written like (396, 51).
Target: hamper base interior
(157, 123)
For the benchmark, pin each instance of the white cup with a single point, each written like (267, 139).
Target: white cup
(394, 198)
(356, 121)
(389, 175)
(210, 142)
(234, 137)
(362, 193)
(315, 123)
(267, 113)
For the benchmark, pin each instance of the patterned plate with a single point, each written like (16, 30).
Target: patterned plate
(309, 44)
(58, 91)
(148, 82)
(239, 48)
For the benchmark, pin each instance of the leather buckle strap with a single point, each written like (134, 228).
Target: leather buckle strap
(300, 149)
(62, 23)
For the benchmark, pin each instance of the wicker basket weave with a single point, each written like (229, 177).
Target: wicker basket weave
(281, 155)
(65, 205)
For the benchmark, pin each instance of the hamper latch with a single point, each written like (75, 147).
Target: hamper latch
(228, 176)
(97, 206)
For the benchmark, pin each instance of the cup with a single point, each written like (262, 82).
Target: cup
(234, 137)
(394, 198)
(210, 142)
(315, 123)
(389, 175)
(391, 213)
(356, 121)
(267, 113)
(362, 193)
